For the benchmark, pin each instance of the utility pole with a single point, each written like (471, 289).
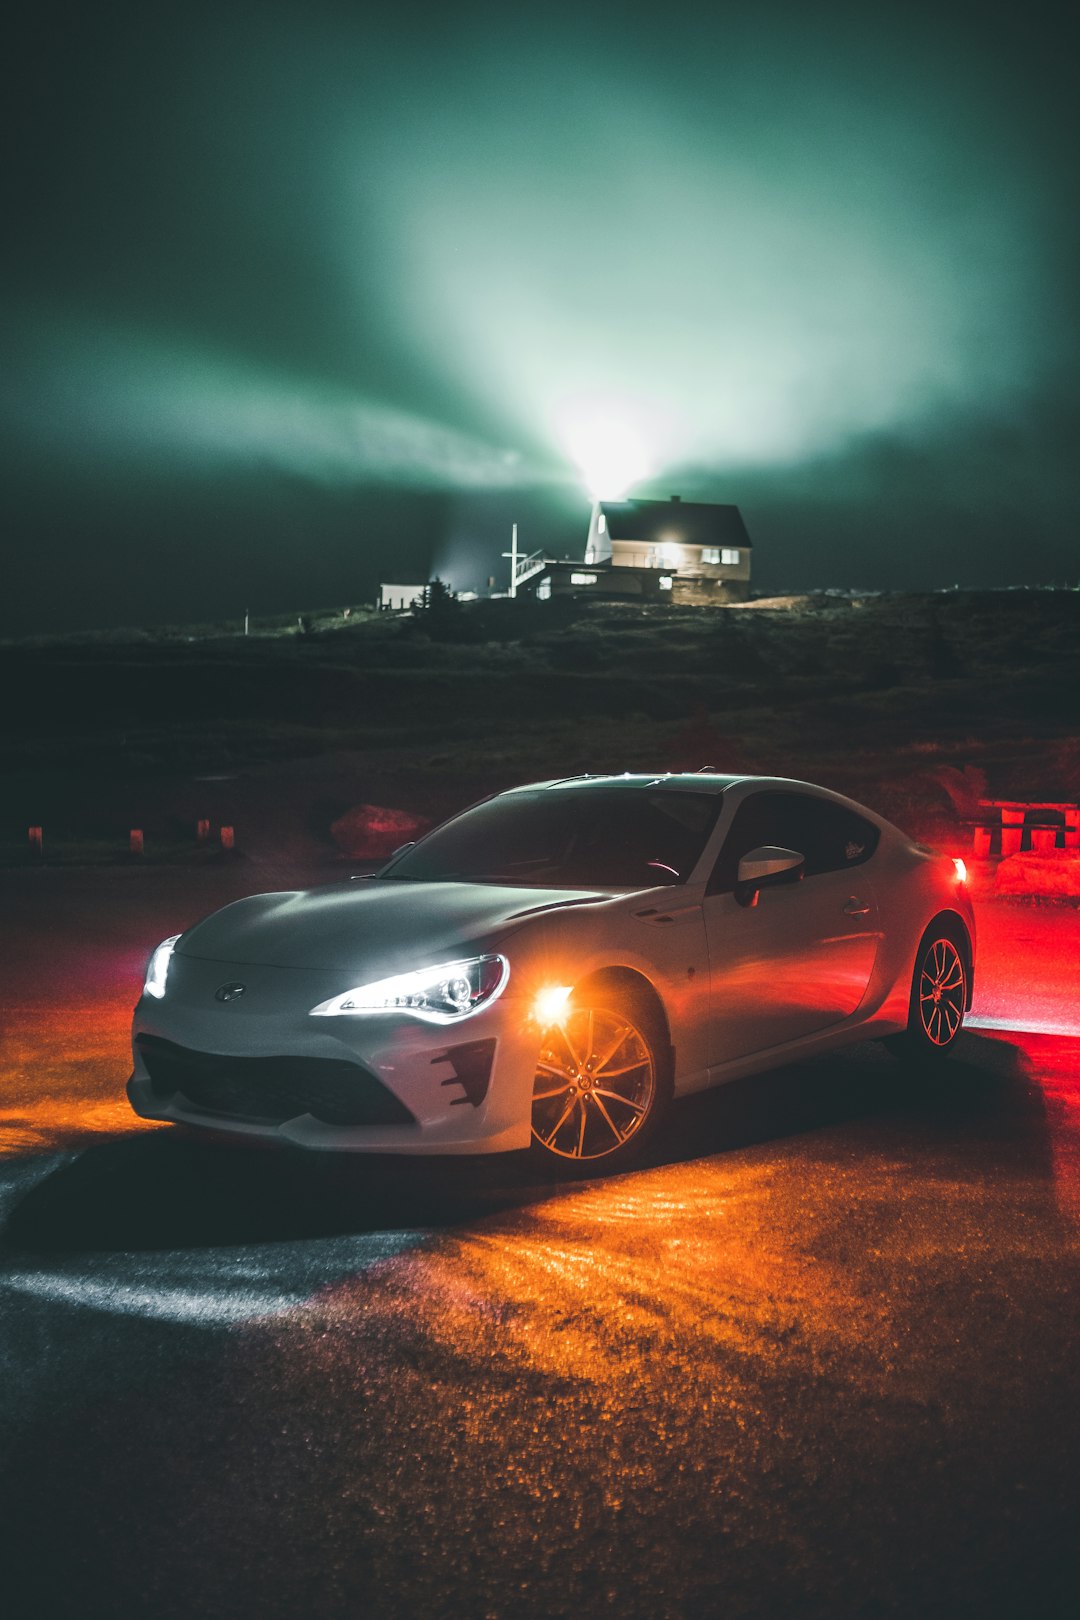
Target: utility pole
(514, 561)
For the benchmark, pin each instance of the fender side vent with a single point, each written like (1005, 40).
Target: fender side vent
(471, 1063)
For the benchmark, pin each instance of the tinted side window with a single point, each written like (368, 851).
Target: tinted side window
(831, 837)
(839, 838)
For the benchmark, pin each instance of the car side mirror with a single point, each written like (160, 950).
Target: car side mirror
(766, 867)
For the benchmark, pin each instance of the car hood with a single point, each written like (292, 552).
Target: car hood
(383, 925)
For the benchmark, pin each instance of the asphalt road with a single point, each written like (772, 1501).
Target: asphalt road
(819, 1358)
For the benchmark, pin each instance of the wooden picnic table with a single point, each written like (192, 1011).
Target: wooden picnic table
(1042, 821)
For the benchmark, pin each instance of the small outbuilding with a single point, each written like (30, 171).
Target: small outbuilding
(400, 597)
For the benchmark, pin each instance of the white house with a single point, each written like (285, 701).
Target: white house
(673, 550)
(690, 540)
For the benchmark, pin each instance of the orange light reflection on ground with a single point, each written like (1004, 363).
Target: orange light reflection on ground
(599, 1282)
(63, 1073)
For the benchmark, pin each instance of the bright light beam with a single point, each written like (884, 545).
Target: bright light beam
(609, 452)
(121, 395)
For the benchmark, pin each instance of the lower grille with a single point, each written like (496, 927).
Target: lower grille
(270, 1090)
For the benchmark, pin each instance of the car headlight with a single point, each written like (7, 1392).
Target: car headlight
(442, 994)
(157, 969)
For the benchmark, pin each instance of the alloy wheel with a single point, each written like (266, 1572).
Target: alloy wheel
(596, 1084)
(942, 992)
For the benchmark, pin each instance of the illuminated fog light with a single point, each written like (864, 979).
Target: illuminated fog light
(550, 1005)
(441, 994)
(157, 970)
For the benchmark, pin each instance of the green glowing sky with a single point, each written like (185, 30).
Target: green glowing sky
(301, 297)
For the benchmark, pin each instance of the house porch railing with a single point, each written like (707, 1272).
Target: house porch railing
(526, 567)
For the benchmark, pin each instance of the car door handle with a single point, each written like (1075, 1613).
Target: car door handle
(855, 908)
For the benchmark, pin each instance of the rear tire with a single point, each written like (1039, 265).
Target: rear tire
(939, 994)
(603, 1085)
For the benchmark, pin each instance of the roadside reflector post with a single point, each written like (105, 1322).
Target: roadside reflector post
(981, 843)
(1012, 831)
(35, 841)
(202, 831)
(1072, 827)
(135, 841)
(228, 838)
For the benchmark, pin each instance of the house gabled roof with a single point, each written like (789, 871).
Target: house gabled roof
(688, 523)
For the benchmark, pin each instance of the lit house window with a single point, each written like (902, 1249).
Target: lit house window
(729, 554)
(710, 554)
(665, 582)
(583, 579)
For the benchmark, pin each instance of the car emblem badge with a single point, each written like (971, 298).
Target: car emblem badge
(229, 992)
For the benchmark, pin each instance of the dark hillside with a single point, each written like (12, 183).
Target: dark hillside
(875, 696)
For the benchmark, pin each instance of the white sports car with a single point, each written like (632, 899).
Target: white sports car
(552, 966)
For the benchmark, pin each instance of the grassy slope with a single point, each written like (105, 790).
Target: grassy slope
(874, 697)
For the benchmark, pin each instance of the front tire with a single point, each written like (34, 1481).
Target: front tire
(603, 1085)
(939, 994)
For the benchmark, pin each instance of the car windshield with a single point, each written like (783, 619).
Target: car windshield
(625, 837)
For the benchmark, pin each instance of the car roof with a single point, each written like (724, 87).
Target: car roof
(698, 781)
(703, 781)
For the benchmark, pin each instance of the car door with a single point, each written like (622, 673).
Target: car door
(800, 958)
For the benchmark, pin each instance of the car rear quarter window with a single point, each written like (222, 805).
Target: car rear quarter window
(830, 836)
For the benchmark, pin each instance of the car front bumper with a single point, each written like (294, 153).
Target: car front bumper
(262, 1066)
